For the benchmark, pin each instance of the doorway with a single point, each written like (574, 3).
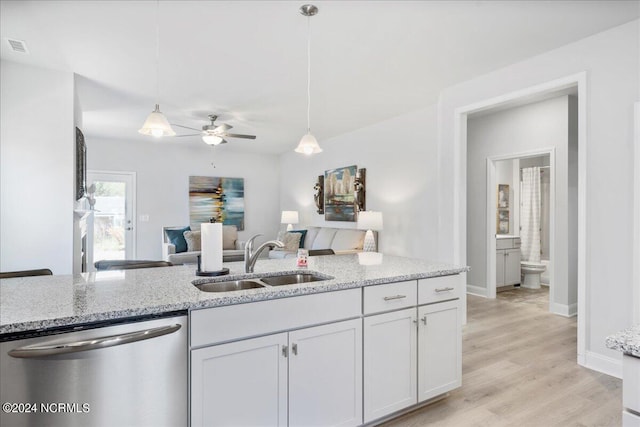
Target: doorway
(111, 233)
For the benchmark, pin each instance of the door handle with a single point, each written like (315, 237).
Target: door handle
(294, 349)
(32, 351)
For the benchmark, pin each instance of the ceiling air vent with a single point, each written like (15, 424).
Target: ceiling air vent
(18, 45)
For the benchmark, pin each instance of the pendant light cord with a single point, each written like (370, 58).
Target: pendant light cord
(308, 74)
(158, 52)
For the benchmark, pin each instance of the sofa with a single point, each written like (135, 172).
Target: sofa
(340, 240)
(180, 252)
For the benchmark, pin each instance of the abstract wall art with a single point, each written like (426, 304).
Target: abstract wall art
(218, 198)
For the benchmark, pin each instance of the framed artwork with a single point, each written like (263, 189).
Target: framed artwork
(218, 198)
(318, 196)
(339, 200)
(502, 224)
(503, 196)
(81, 165)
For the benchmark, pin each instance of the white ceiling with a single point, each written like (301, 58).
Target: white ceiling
(246, 60)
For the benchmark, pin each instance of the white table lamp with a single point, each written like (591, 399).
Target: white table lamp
(369, 220)
(289, 218)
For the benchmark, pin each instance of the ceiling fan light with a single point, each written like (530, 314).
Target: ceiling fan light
(212, 139)
(308, 145)
(156, 125)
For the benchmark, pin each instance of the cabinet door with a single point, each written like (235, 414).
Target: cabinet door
(240, 383)
(512, 267)
(390, 363)
(439, 349)
(500, 268)
(325, 375)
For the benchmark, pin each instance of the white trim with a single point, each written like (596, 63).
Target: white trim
(491, 215)
(478, 291)
(636, 215)
(604, 364)
(460, 188)
(564, 309)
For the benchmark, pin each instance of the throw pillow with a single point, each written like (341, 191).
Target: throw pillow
(291, 241)
(176, 238)
(303, 234)
(229, 236)
(194, 240)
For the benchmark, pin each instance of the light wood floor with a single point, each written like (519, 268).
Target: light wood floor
(519, 369)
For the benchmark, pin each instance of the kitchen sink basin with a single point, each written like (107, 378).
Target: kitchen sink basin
(260, 282)
(232, 285)
(291, 279)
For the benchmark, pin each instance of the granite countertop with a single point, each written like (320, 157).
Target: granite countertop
(45, 302)
(627, 341)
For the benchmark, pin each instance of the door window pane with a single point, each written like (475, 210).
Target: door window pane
(109, 222)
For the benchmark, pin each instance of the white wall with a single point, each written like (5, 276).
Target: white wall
(518, 130)
(610, 60)
(37, 143)
(400, 157)
(162, 175)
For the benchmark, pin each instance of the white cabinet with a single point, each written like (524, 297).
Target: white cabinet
(439, 349)
(413, 354)
(325, 375)
(630, 391)
(508, 261)
(390, 363)
(241, 383)
(311, 376)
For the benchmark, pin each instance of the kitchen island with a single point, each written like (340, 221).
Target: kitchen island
(628, 342)
(365, 344)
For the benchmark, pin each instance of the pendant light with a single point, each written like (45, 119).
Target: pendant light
(308, 144)
(157, 124)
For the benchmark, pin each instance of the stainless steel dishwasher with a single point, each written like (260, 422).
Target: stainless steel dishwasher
(130, 374)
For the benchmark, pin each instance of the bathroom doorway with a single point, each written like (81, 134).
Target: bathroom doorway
(504, 146)
(524, 209)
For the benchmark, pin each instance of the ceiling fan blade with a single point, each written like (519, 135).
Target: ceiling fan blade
(222, 128)
(237, 135)
(191, 134)
(185, 127)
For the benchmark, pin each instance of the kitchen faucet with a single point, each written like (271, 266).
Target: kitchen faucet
(250, 257)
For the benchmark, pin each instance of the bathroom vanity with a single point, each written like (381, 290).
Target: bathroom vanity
(507, 260)
(360, 345)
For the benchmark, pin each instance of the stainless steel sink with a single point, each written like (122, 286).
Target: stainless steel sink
(232, 285)
(291, 279)
(261, 282)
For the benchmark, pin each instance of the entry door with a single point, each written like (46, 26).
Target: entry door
(113, 225)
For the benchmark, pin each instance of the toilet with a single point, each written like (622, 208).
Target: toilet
(531, 272)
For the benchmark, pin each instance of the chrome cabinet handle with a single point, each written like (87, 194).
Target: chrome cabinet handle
(37, 350)
(285, 351)
(294, 349)
(444, 289)
(424, 320)
(394, 297)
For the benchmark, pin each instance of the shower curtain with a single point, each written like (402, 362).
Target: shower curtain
(530, 214)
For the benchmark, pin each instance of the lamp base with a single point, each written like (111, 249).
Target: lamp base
(222, 272)
(369, 242)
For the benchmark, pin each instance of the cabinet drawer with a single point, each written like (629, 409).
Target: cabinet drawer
(631, 383)
(511, 243)
(437, 289)
(391, 296)
(234, 322)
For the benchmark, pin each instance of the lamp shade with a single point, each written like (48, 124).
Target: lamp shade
(369, 220)
(308, 145)
(156, 125)
(289, 217)
(212, 139)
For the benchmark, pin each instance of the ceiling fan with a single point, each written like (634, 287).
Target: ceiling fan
(215, 134)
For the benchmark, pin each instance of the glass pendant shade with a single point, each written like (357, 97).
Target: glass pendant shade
(156, 125)
(308, 145)
(212, 139)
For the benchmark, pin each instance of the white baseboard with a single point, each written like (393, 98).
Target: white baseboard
(477, 290)
(564, 310)
(597, 362)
